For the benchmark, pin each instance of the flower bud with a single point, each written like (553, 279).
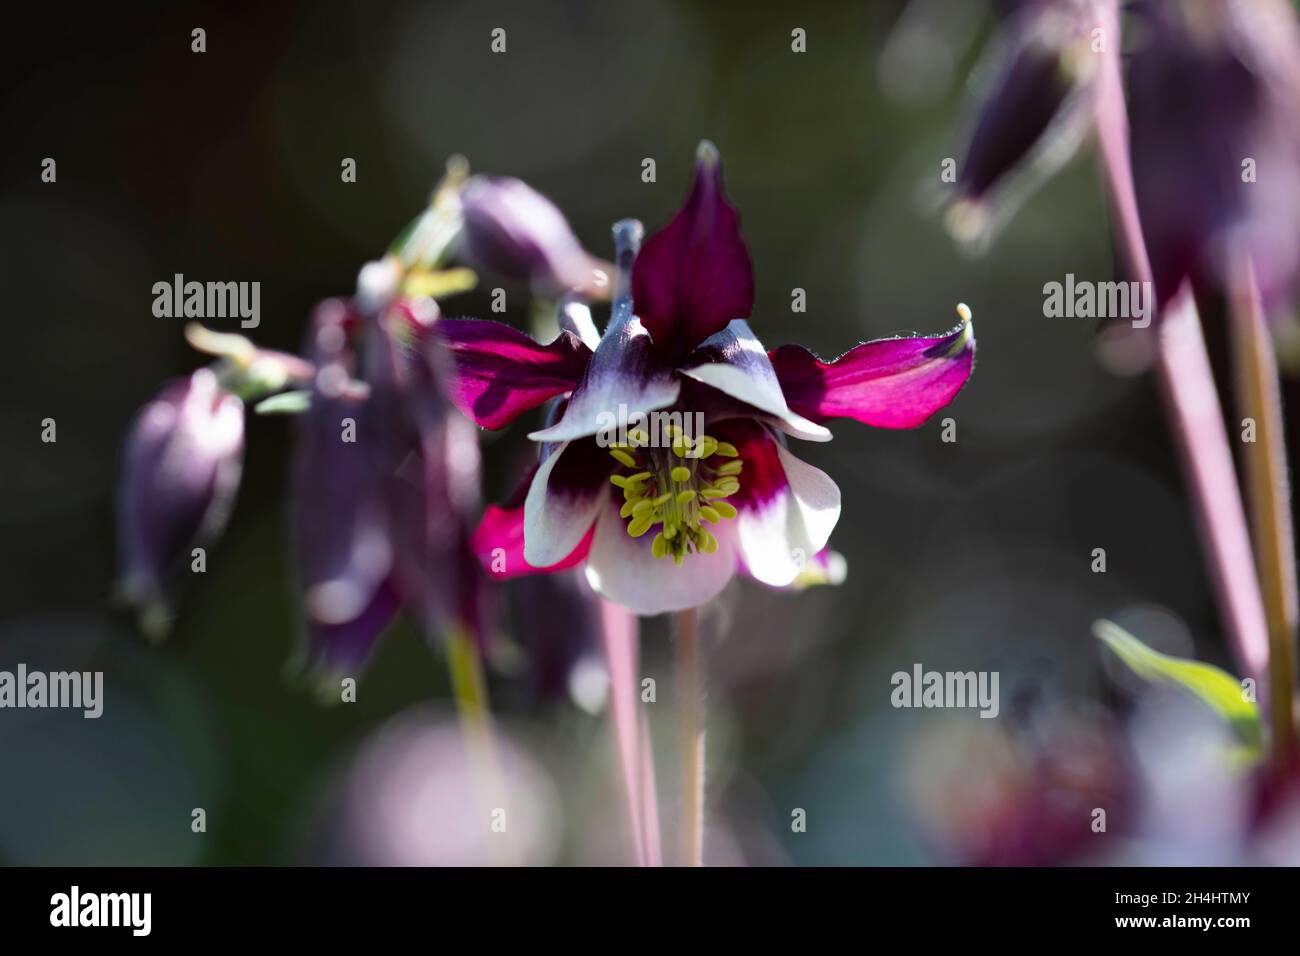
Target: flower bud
(516, 232)
(1033, 116)
(340, 524)
(384, 482)
(180, 470)
(429, 459)
(1214, 107)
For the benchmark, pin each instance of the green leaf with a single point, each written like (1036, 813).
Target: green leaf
(1216, 689)
(286, 403)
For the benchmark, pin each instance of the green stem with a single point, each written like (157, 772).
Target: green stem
(1269, 495)
(690, 710)
(469, 689)
(470, 692)
(467, 682)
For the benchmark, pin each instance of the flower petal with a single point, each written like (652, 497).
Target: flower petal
(889, 383)
(339, 519)
(827, 566)
(1031, 121)
(622, 569)
(339, 650)
(763, 478)
(179, 476)
(563, 499)
(501, 372)
(429, 460)
(574, 316)
(498, 541)
(562, 646)
(733, 362)
(1042, 67)
(341, 525)
(778, 537)
(513, 230)
(694, 275)
(625, 376)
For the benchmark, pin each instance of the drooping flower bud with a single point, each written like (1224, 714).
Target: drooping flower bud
(429, 458)
(386, 478)
(341, 526)
(516, 232)
(1214, 109)
(1034, 114)
(180, 470)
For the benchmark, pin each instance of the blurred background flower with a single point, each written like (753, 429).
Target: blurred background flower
(180, 470)
(1214, 106)
(407, 798)
(1032, 114)
(516, 232)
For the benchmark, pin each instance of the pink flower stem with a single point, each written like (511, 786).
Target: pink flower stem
(622, 652)
(1192, 404)
(1187, 387)
(690, 715)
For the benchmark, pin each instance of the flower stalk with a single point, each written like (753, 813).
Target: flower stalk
(619, 632)
(1187, 387)
(1192, 404)
(690, 716)
(469, 690)
(1269, 494)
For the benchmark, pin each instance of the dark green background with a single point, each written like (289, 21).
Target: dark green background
(973, 555)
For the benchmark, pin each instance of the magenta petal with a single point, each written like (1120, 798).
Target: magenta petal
(694, 275)
(501, 372)
(889, 383)
(733, 362)
(763, 478)
(499, 544)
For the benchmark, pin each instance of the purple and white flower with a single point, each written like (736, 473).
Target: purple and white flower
(664, 527)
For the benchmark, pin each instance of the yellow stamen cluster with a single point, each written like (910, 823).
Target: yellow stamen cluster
(680, 488)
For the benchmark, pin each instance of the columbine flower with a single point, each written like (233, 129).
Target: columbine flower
(385, 476)
(662, 526)
(513, 230)
(1214, 105)
(180, 471)
(1032, 117)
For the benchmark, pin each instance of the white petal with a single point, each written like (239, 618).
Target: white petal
(555, 524)
(779, 538)
(623, 379)
(621, 569)
(748, 376)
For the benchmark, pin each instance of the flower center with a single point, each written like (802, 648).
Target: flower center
(680, 488)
